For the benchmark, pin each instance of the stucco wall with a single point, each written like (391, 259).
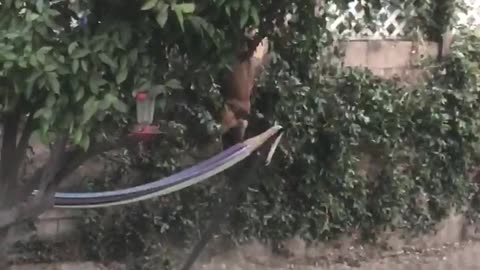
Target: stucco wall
(390, 58)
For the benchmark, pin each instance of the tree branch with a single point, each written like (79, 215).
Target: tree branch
(9, 141)
(49, 177)
(53, 165)
(73, 159)
(24, 211)
(22, 145)
(44, 197)
(76, 161)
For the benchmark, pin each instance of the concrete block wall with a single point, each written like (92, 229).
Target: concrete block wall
(389, 58)
(57, 223)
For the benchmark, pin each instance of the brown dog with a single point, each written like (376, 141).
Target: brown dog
(237, 91)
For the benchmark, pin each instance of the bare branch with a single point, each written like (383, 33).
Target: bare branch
(53, 165)
(44, 197)
(10, 129)
(76, 161)
(24, 210)
(60, 165)
(9, 141)
(73, 159)
(22, 145)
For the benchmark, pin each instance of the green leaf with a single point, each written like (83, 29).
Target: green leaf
(33, 60)
(22, 63)
(95, 83)
(41, 57)
(53, 82)
(16, 88)
(50, 101)
(72, 47)
(8, 65)
(124, 61)
(157, 89)
(104, 104)
(244, 19)
(45, 113)
(179, 14)
(75, 66)
(121, 75)
(39, 4)
(53, 12)
(38, 113)
(45, 49)
(99, 43)
(51, 23)
(85, 143)
(31, 16)
(50, 68)
(31, 82)
(89, 109)
(195, 22)
(186, 8)
(162, 14)
(120, 106)
(80, 53)
(9, 56)
(173, 84)
(228, 10)
(110, 98)
(84, 65)
(149, 4)
(68, 121)
(133, 55)
(79, 93)
(63, 70)
(254, 15)
(77, 136)
(107, 60)
(245, 5)
(12, 35)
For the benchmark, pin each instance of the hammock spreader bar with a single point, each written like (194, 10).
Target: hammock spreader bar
(175, 182)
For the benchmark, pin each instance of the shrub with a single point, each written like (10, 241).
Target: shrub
(419, 144)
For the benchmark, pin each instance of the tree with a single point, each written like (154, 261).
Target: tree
(67, 70)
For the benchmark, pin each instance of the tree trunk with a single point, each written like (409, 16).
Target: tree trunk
(4, 248)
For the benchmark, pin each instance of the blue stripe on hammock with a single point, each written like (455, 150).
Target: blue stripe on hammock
(90, 198)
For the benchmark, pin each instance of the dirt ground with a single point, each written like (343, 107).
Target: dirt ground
(460, 256)
(452, 246)
(463, 256)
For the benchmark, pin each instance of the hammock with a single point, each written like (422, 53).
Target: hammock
(175, 182)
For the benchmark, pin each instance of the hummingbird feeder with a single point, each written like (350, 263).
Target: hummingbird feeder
(144, 129)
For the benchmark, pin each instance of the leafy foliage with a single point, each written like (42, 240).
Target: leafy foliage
(418, 146)
(79, 78)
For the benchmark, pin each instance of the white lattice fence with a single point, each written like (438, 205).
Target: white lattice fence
(388, 22)
(470, 14)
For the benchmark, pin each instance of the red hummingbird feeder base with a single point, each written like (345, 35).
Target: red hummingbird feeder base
(145, 132)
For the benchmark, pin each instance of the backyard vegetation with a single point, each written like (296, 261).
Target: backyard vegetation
(68, 71)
